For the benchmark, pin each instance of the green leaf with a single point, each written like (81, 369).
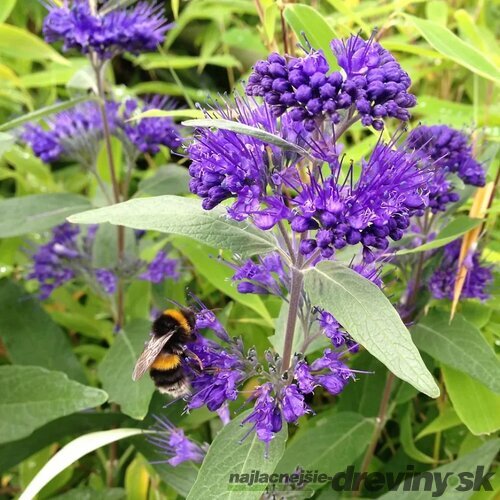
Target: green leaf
(448, 44)
(305, 19)
(219, 275)
(14, 452)
(159, 61)
(185, 217)
(6, 143)
(168, 113)
(407, 440)
(91, 494)
(460, 345)
(71, 453)
(38, 212)
(447, 419)
(241, 128)
(475, 404)
(105, 247)
(344, 9)
(437, 11)
(33, 396)
(456, 228)
(30, 336)
(226, 456)
(332, 444)
(115, 371)
(171, 179)
(366, 313)
(468, 464)
(21, 44)
(60, 75)
(6, 8)
(42, 113)
(364, 396)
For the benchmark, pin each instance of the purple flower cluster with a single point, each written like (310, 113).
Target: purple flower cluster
(391, 189)
(222, 373)
(172, 443)
(372, 83)
(65, 257)
(330, 372)
(479, 277)
(226, 164)
(69, 255)
(140, 28)
(148, 134)
(107, 280)
(76, 133)
(225, 367)
(449, 149)
(275, 401)
(450, 152)
(266, 415)
(331, 328)
(268, 276)
(72, 133)
(161, 268)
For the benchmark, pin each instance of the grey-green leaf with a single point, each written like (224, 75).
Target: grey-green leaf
(226, 456)
(186, 217)
(241, 128)
(460, 345)
(38, 212)
(33, 396)
(368, 316)
(31, 337)
(115, 371)
(331, 444)
(170, 179)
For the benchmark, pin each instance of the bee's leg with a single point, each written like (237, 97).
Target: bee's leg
(191, 354)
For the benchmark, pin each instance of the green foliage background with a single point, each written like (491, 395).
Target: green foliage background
(67, 347)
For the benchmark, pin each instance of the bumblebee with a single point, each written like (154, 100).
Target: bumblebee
(164, 352)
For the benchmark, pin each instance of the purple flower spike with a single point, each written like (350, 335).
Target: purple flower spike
(479, 277)
(331, 328)
(53, 263)
(293, 404)
(140, 28)
(71, 134)
(107, 280)
(226, 164)
(266, 277)
(161, 268)
(371, 82)
(266, 416)
(205, 318)
(218, 382)
(171, 442)
(337, 373)
(304, 378)
(148, 134)
(390, 190)
(450, 153)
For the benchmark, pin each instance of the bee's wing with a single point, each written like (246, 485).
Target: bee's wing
(149, 354)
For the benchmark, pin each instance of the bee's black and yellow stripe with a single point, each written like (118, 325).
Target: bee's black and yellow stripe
(167, 371)
(168, 374)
